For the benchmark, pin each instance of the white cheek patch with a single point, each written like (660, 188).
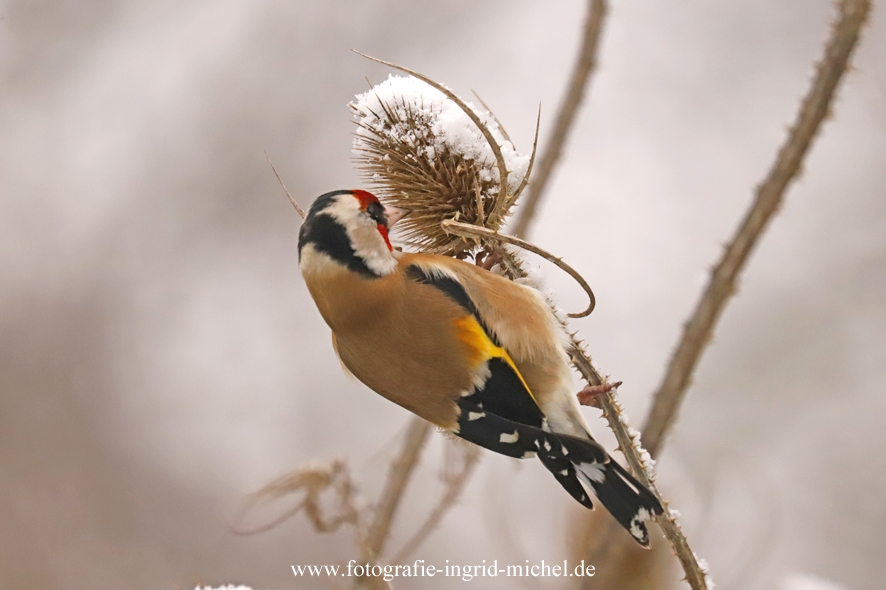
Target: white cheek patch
(372, 248)
(363, 233)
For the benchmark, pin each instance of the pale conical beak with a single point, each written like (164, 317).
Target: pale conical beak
(395, 214)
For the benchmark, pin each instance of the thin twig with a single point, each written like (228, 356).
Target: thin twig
(494, 118)
(398, 476)
(286, 190)
(525, 181)
(581, 74)
(474, 231)
(629, 445)
(455, 483)
(312, 481)
(698, 330)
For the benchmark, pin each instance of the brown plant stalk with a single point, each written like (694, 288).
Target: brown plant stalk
(699, 328)
(578, 83)
(631, 448)
(399, 474)
(698, 331)
(455, 483)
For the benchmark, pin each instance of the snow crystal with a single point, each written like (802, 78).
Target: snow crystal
(450, 126)
(645, 457)
(703, 566)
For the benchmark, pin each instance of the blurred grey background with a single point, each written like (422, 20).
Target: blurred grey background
(161, 357)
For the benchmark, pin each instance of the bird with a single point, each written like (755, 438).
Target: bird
(481, 357)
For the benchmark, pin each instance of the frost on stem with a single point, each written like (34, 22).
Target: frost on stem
(422, 152)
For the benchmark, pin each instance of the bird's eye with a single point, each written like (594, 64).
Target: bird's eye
(377, 212)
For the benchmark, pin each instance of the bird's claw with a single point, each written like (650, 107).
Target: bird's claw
(590, 395)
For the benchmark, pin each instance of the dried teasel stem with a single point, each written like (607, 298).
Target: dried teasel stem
(578, 82)
(474, 231)
(455, 483)
(494, 118)
(526, 177)
(398, 477)
(769, 195)
(629, 444)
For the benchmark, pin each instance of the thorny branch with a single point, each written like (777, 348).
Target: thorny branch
(587, 61)
(698, 330)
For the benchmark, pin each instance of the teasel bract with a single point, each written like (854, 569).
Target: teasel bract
(424, 149)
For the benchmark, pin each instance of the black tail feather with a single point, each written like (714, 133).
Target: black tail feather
(573, 461)
(626, 499)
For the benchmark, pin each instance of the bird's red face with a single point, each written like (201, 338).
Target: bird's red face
(384, 215)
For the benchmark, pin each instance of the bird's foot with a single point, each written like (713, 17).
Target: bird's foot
(487, 260)
(590, 395)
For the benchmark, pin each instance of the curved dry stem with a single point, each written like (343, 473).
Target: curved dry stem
(769, 195)
(312, 482)
(272, 524)
(488, 110)
(502, 196)
(280, 180)
(581, 74)
(525, 180)
(467, 230)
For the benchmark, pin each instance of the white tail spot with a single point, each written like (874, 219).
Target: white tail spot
(509, 438)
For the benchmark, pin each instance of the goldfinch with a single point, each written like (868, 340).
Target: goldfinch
(477, 355)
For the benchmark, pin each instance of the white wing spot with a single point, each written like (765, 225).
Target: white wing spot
(509, 438)
(593, 471)
(564, 450)
(564, 472)
(529, 455)
(547, 446)
(475, 416)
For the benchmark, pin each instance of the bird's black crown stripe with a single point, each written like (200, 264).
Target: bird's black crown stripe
(452, 289)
